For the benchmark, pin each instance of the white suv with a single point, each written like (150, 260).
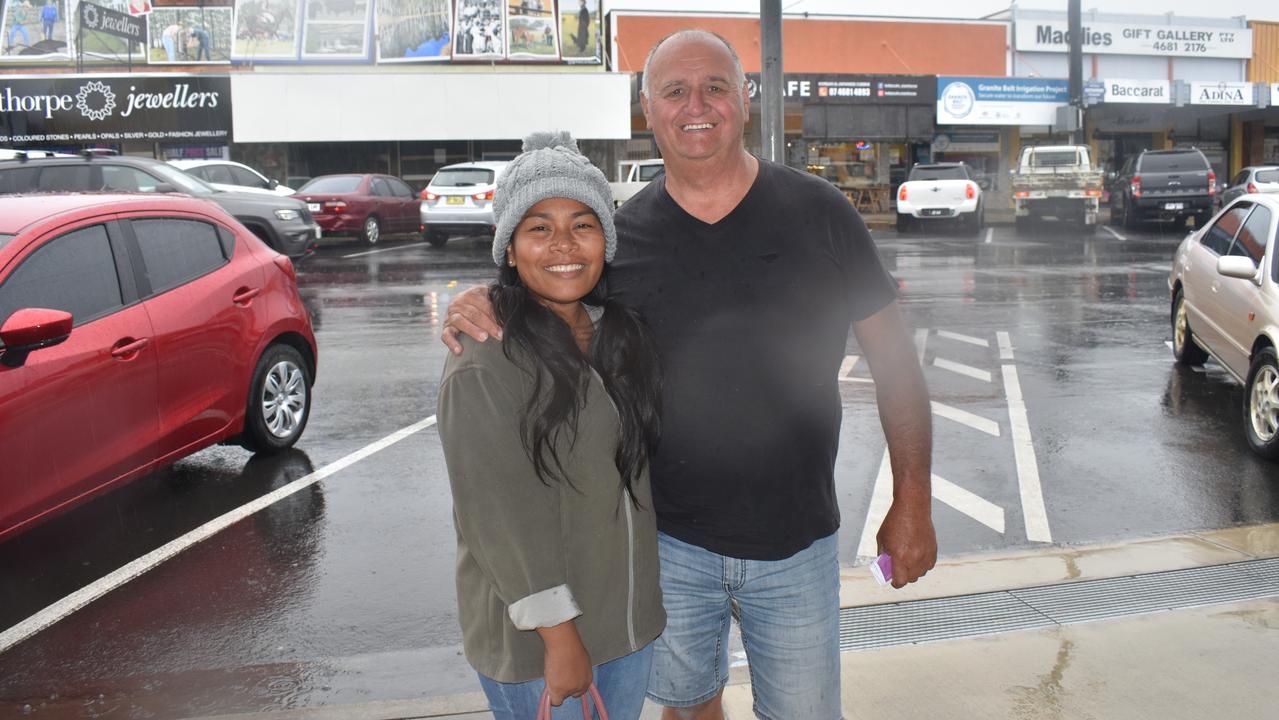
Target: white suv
(459, 201)
(231, 176)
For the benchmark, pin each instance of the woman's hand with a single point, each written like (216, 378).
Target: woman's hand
(470, 313)
(567, 664)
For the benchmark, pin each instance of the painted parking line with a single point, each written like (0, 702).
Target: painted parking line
(958, 337)
(969, 503)
(384, 250)
(1032, 493)
(1111, 230)
(990, 235)
(82, 597)
(846, 367)
(962, 369)
(1005, 345)
(963, 417)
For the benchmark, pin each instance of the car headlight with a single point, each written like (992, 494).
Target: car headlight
(288, 214)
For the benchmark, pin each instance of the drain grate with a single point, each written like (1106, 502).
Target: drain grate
(875, 626)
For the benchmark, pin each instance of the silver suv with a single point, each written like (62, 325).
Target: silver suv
(459, 201)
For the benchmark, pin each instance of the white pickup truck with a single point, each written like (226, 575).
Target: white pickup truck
(638, 174)
(940, 192)
(1057, 181)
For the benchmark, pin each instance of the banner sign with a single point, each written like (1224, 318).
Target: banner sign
(853, 89)
(999, 101)
(1152, 92)
(112, 22)
(1221, 93)
(1135, 39)
(76, 109)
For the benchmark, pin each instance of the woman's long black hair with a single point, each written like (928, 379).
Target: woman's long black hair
(621, 351)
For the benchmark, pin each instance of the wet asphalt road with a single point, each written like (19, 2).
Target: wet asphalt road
(343, 592)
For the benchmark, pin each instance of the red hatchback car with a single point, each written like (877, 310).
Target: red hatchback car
(368, 206)
(136, 330)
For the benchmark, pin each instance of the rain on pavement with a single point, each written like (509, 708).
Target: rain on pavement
(342, 592)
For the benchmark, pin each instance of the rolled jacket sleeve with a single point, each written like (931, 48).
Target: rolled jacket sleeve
(508, 519)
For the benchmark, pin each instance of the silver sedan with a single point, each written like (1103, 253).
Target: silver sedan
(1225, 304)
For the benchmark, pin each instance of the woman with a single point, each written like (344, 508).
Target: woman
(547, 435)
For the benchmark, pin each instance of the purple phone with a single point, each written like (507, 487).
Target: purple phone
(882, 569)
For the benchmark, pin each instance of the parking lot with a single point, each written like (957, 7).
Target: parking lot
(326, 575)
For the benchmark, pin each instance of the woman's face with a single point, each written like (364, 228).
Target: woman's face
(558, 252)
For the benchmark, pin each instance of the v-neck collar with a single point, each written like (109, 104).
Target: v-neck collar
(738, 209)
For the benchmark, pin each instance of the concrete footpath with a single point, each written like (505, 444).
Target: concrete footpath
(1208, 660)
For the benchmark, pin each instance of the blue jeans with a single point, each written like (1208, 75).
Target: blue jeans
(621, 683)
(789, 617)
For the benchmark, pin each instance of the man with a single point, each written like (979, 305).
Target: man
(172, 39)
(583, 34)
(48, 18)
(203, 44)
(749, 274)
(19, 16)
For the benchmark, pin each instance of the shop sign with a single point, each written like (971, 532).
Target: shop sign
(1221, 93)
(1151, 92)
(82, 109)
(959, 142)
(1274, 95)
(852, 89)
(999, 101)
(112, 22)
(1135, 39)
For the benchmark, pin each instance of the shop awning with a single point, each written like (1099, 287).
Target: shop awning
(294, 107)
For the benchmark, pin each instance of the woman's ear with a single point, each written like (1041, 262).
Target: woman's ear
(510, 259)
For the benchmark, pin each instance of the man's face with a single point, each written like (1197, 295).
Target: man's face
(695, 105)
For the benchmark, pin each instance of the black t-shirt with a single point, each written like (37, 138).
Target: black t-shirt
(751, 318)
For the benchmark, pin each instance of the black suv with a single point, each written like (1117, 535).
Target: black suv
(1173, 184)
(283, 223)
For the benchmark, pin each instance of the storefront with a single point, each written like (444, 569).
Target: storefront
(1155, 81)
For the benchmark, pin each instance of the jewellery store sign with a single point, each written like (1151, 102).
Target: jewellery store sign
(79, 109)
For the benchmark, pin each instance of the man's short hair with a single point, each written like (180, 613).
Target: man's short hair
(739, 75)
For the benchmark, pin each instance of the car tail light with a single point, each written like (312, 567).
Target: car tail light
(1022, 194)
(483, 196)
(1252, 187)
(430, 196)
(970, 191)
(286, 265)
(1212, 182)
(1092, 193)
(335, 205)
(901, 194)
(1136, 186)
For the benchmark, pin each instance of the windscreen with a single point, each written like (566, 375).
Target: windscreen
(938, 173)
(463, 177)
(333, 184)
(4, 239)
(648, 172)
(1053, 158)
(1268, 176)
(1172, 162)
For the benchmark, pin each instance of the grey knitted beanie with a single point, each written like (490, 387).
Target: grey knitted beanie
(551, 166)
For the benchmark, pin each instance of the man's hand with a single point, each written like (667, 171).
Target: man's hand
(471, 314)
(908, 537)
(567, 664)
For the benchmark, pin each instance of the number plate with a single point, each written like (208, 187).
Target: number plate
(456, 200)
(313, 207)
(933, 211)
(318, 232)
(1174, 206)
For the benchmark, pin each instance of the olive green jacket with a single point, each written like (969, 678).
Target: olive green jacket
(534, 555)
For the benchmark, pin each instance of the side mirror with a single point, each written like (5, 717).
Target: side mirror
(1236, 266)
(272, 184)
(165, 187)
(32, 329)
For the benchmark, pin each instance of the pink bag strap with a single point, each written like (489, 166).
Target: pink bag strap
(544, 705)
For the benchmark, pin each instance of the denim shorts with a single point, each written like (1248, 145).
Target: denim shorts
(789, 618)
(621, 683)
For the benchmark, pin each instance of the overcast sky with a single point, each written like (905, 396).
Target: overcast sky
(1252, 9)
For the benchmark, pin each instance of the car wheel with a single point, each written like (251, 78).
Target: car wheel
(903, 223)
(1261, 404)
(372, 231)
(1130, 218)
(1184, 348)
(1114, 215)
(975, 223)
(279, 400)
(437, 238)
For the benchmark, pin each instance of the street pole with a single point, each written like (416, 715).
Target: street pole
(771, 113)
(1076, 31)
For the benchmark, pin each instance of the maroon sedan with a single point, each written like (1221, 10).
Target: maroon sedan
(136, 330)
(367, 206)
